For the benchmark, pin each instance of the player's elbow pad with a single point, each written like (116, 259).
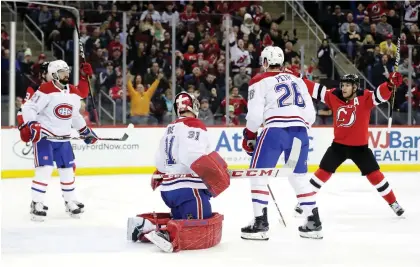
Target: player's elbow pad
(213, 171)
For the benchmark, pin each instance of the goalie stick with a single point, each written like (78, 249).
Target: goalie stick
(67, 138)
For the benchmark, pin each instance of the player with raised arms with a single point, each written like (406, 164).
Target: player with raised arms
(279, 100)
(192, 174)
(351, 107)
(52, 111)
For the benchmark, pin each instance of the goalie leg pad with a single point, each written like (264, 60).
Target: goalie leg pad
(213, 171)
(195, 234)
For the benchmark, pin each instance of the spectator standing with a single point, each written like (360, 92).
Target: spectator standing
(205, 113)
(237, 101)
(324, 58)
(241, 78)
(188, 16)
(381, 71)
(383, 28)
(152, 74)
(155, 16)
(411, 14)
(140, 101)
(387, 47)
(405, 69)
(44, 18)
(169, 13)
(360, 14)
(365, 26)
(345, 28)
(107, 78)
(375, 10)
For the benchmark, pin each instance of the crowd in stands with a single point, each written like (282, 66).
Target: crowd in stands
(367, 35)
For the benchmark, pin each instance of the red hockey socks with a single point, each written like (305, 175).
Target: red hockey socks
(377, 179)
(319, 178)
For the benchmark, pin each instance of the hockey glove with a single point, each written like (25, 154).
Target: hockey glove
(248, 143)
(395, 80)
(89, 135)
(155, 182)
(35, 130)
(86, 70)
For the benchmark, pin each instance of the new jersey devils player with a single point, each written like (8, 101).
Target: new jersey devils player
(351, 108)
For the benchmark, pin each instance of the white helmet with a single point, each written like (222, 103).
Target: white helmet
(57, 66)
(273, 55)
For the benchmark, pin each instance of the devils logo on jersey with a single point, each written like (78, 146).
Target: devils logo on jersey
(63, 111)
(346, 116)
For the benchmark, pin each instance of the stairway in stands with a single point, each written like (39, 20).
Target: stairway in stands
(311, 45)
(34, 45)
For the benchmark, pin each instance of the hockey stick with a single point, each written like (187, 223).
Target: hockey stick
(397, 61)
(277, 206)
(68, 138)
(82, 55)
(292, 161)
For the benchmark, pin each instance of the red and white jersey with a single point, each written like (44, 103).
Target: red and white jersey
(240, 58)
(185, 140)
(351, 117)
(56, 110)
(279, 99)
(411, 15)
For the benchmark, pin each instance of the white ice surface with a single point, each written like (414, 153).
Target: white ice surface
(359, 227)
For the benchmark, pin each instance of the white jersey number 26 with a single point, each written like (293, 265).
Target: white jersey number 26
(289, 95)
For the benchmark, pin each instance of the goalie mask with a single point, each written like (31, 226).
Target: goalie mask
(186, 102)
(59, 71)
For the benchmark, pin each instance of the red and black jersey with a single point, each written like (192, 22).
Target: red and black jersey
(351, 117)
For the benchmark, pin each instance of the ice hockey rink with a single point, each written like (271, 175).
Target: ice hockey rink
(359, 227)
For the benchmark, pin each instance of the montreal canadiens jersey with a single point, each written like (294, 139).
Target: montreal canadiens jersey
(56, 110)
(278, 99)
(351, 117)
(184, 141)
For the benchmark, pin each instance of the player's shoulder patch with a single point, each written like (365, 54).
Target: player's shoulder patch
(261, 76)
(48, 88)
(192, 123)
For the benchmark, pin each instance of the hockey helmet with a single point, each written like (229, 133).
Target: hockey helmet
(186, 102)
(56, 69)
(43, 71)
(273, 55)
(350, 78)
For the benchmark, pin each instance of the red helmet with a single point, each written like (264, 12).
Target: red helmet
(186, 102)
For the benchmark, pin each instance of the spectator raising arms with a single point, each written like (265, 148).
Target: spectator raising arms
(140, 101)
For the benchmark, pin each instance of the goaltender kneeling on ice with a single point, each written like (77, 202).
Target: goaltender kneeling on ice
(187, 176)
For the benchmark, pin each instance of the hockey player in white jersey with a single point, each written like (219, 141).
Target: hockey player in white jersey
(52, 111)
(279, 100)
(187, 176)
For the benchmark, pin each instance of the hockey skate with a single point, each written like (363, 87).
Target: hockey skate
(258, 229)
(161, 240)
(38, 211)
(313, 227)
(135, 227)
(73, 209)
(397, 208)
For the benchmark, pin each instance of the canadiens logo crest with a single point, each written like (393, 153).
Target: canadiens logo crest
(63, 111)
(346, 116)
